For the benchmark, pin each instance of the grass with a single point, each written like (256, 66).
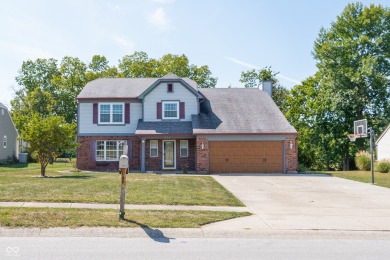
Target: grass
(21, 182)
(381, 179)
(50, 217)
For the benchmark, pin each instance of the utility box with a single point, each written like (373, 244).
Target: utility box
(124, 162)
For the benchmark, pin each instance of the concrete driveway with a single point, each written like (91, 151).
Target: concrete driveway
(307, 202)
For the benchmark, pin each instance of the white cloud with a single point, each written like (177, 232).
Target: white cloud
(251, 66)
(124, 43)
(159, 19)
(242, 63)
(25, 51)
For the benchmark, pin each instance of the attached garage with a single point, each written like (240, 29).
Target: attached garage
(246, 156)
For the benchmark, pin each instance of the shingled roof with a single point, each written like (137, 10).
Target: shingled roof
(238, 110)
(156, 128)
(106, 88)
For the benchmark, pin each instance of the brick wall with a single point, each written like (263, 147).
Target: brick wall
(155, 163)
(291, 155)
(86, 161)
(202, 155)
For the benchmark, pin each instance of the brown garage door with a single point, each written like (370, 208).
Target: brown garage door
(246, 156)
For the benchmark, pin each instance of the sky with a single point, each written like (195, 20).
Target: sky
(228, 36)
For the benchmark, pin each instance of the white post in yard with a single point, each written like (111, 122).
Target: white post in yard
(123, 167)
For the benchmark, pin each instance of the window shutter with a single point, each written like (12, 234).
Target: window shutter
(130, 149)
(182, 110)
(95, 113)
(127, 113)
(159, 110)
(93, 151)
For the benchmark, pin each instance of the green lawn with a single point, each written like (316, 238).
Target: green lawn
(381, 179)
(22, 183)
(55, 217)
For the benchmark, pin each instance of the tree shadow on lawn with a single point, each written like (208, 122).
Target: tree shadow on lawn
(72, 177)
(14, 165)
(155, 234)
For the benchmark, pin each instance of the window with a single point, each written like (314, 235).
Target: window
(170, 88)
(5, 141)
(153, 148)
(183, 148)
(109, 150)
(111, 113)
(170, 110)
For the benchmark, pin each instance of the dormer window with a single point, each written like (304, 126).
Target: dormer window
(170, 88)
(170, 110)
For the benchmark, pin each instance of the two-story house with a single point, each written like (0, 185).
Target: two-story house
(8, 136)
(169, 124)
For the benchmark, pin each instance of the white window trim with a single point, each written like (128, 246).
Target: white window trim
(171, 102)
(112, 113)
(150, 148)
(105, 150)
(5, 142)
(186, 147)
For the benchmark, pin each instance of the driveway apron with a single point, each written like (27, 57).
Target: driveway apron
(307, 202)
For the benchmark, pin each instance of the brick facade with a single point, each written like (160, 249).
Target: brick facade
(197, 160)
(202, 155)
(156, 163)
(86, 160)
(291, 159)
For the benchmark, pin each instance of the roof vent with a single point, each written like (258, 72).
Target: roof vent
(267, 87)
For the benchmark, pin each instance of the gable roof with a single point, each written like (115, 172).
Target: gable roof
(106, 88)
(240, 111)
(383, 134)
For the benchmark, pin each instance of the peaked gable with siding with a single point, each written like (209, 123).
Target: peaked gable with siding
(383, 145)
(8, 135)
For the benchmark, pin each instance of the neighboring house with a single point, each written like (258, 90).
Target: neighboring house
(170, 124)
(383, 145)
(8, 136)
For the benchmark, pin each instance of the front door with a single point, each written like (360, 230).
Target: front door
(169, 155)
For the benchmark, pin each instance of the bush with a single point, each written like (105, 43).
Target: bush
(363, 161)
(383, 166)
(302, 167)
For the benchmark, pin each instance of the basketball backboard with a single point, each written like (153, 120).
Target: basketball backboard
(360, 128)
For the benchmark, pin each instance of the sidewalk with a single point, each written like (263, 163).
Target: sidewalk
(116, 206)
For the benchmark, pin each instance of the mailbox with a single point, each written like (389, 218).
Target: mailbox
(124, 162)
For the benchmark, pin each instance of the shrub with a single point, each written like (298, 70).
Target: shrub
(363, 161)
(302, 167)
(383, 166)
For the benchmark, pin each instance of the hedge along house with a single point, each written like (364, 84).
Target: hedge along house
(170, 124)
(8, 136)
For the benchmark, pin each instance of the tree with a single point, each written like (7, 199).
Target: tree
(353, 61)
(139, 65)
(98, 68)
(253, 79)
(47, 135)
(308, 111)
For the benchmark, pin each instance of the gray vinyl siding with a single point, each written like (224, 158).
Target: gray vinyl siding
(86, 125)
(246, 137)
(180, 93)
(383, 146)
(7, 128)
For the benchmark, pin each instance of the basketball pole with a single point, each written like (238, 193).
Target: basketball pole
(371, 132)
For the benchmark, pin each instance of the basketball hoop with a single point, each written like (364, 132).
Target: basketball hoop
(353, 137)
